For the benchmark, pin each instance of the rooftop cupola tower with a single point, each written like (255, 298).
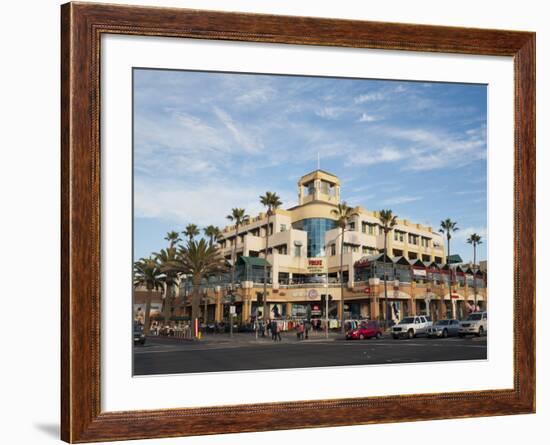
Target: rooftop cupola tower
(319, 185)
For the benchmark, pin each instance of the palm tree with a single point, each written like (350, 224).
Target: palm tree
(388, 221)
(448, 227)
(173, 238)
(272, 202)
(343, 215)
(475, 240)
(191, 231)
(147, 273)
(166, 260)
(213, 233)
(199, 260)
(238, 216)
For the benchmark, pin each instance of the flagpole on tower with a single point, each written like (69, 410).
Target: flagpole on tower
(318, 161)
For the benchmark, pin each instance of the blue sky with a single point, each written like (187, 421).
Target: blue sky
(207, 142)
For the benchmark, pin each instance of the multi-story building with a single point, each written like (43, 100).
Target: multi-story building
(304, 261)
(309, 230)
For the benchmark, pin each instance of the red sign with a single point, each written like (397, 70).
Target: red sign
(315, 262)
(367, 290)
(455, 296)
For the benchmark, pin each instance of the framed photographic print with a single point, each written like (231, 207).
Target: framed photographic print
(276, 222)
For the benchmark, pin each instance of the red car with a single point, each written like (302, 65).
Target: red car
(365, 330)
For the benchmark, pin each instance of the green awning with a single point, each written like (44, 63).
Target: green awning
(254, 261)
(453, 259)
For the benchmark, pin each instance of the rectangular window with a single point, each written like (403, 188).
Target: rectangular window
(364, 227)
(351, 225)
(297, 251)
(333, 249)
(283, 227)
(371, 229)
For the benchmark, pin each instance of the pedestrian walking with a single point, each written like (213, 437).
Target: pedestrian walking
(307, 328)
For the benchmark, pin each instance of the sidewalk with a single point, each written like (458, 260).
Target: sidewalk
(250, 338)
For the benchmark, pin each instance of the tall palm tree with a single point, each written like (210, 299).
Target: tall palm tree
(191, 231)
(238, 216)
(343, 215)
(448, 227)
(147, 273)
(475, 240)
(173, 238)
(166, 260)
(272, 202)
(213, 233)
(199, 260)
(388, 221)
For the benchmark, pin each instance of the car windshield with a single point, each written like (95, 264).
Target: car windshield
(442, 323)
(474, 317)
(407, 320)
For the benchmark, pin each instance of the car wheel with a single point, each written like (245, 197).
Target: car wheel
(361, 337)
(480, 332)
(445, 333)
(410, 333)
(378, 335)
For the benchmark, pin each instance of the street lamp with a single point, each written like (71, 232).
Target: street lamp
(341, 277)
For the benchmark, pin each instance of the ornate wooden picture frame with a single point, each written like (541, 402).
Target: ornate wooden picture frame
(82, 26)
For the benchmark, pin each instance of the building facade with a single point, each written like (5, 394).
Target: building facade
(303, 260)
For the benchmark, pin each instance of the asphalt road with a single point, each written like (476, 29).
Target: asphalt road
(169, 356)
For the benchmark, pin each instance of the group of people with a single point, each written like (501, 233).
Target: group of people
(302, 330)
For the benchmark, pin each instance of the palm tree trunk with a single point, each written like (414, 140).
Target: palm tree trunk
(195, 300)
(475, 284)
(342, 282)
(385, 280)
(166, 308)
(233, 256)
(265, 267)
(450, 276)
(146, 321)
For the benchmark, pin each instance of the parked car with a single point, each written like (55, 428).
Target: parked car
(444, 328)
(475, 323)
(370, 329)
(139, 336)
(410, 327)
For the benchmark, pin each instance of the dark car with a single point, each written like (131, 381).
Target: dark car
(139, 336)
(365, 330)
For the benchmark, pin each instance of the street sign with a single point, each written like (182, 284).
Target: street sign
(232, 310)
(367, 290)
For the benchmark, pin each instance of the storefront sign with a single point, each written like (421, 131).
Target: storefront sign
(315, 309)
(316, 266)
(312, 294)
(419, 272)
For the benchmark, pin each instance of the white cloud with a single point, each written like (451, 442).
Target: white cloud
(367, 118)
(247, 141)
(256, 96)
(330, 112)
(401, 200)
(464, 233)
(368, 97)
(371, 157)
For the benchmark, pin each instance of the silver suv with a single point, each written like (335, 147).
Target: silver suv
(475, 324)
